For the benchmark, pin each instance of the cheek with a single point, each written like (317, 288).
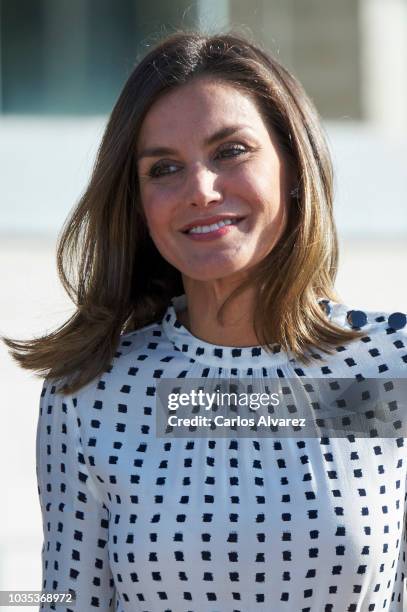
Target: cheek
(264, 191)
(270, 186)
(157, 213)
(261, 181)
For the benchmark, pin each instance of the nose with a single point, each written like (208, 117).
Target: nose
(202, 187)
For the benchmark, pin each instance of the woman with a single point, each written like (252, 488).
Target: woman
(205, 248)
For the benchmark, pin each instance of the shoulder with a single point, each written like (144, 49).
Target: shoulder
(135, 357)
(141, 344)
(357, 317)
(134, 364)
(384, 340)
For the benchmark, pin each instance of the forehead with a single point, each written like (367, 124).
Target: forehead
(199, 108)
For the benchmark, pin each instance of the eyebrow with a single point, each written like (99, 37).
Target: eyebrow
(219, 135)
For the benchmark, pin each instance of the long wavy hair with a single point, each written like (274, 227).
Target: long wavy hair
(113, 272)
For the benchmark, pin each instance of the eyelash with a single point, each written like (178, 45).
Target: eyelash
(241, 149)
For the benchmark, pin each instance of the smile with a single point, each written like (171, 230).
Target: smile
(205, 229)
(212, 231)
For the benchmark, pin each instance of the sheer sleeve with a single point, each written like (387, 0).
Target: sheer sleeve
(75, 522)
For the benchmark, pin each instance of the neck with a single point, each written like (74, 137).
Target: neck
(203, 303)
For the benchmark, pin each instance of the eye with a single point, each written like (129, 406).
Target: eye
(228, 151)
(232, 150)
(162, 168)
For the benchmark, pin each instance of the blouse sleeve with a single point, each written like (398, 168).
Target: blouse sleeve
(75, 522)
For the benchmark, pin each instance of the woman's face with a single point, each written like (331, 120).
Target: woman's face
(206, 158)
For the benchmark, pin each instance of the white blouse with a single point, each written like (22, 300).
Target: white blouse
(134, 522)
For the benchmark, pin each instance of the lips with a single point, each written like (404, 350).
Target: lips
(209, 221)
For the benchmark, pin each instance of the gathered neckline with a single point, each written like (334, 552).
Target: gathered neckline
(216, 354)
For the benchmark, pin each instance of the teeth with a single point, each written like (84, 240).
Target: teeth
(204, 229)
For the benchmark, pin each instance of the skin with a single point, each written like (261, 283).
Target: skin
(241, 173)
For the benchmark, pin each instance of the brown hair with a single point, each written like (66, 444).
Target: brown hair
(108, 263)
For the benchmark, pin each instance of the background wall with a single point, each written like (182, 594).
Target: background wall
(63, 63)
